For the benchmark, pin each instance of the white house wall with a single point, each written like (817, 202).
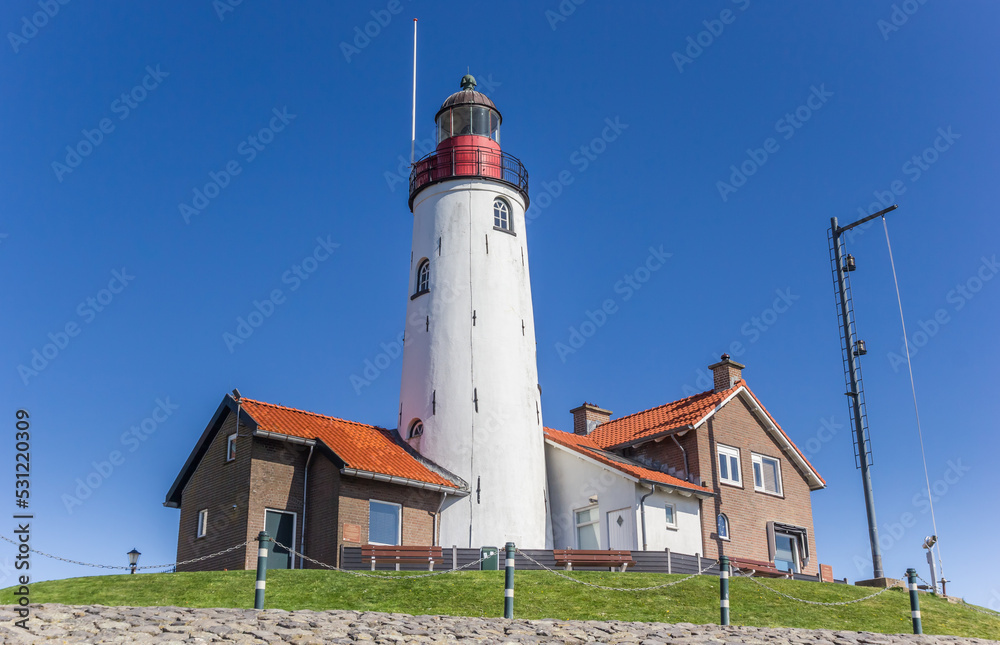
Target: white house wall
(686, 538)
(573, 480)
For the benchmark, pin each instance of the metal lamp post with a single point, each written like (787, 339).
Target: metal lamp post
(133, 559)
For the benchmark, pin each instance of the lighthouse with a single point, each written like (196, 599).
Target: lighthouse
(470, 399)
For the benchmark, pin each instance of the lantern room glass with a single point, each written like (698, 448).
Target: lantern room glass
(468, 119)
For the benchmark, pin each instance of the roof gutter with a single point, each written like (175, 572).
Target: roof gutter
(402, 481)
(277, 436)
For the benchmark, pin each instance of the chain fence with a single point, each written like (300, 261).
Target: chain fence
(128, 567)
(751, 578)
(596, 586)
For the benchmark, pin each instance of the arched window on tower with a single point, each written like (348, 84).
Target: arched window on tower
(423, 283)
(501, 214)
(416, 429)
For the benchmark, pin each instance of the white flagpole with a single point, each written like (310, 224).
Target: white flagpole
(413, 122)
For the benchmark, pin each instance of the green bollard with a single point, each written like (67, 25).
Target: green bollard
(914, 601)
(723, 590)
(258, 596)
(508, 588)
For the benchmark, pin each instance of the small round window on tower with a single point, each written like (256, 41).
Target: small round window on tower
(416, 429)
(501, 214)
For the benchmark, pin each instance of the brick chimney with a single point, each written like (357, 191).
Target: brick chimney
(726, 372)
(587, 417)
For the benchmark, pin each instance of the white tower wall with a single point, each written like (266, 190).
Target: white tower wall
(472, 338)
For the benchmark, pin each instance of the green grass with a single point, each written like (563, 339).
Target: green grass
(539, 594)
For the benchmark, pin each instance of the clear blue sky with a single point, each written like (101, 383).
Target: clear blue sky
(868, 98)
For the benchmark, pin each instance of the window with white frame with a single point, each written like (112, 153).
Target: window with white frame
(587, 527)
(729, 465)
(723, 528)
(423, 282)
(231, 447)
(416, 429)
(501, 214)
(202, 522)
(384, 522)
(766, 474)
(671, 516)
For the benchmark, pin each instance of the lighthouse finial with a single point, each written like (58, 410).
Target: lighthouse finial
(468, 82)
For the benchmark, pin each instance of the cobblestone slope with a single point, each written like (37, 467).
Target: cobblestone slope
(52, 623)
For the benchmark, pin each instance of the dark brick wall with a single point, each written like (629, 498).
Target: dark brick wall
(276, 483)
(217, 485)
(321, 511)
(748, 510)
(419, 507)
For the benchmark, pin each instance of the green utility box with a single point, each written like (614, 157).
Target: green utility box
(491, 558)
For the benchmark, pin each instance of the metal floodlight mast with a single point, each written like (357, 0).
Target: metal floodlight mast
(853, 349)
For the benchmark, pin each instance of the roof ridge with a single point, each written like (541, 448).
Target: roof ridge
(657, 407)
(312, 414)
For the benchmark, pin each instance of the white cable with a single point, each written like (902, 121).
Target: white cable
(913, 389)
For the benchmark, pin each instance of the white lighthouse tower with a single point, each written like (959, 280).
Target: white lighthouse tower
(470, 399)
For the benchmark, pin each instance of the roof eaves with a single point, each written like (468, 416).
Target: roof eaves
(228, 404)
(404, 481)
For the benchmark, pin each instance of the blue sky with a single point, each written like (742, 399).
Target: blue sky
(824, 106)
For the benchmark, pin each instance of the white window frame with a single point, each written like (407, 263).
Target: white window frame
(413, 433)
(578, 524)
(502, 216)
(757, 461)
(729, 527)
(421, 284)
(673, 514)
(399, 522)
(202, 530)
(731, 453)
(231, 447)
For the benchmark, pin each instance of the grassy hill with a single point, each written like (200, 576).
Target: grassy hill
(538, 594)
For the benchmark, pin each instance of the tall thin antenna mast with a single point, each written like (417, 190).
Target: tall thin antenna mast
(413, 121)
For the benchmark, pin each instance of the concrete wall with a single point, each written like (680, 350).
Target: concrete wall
(573, 480)
(452, 363)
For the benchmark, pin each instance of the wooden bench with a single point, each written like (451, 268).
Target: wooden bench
(759, 568)
(584, 558)
(379, 553)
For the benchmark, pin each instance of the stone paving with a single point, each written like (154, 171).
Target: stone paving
(52, 623)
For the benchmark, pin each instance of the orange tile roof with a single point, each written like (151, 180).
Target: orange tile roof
(360, 446)
(586, 446)
(689, 411)
(649, 423)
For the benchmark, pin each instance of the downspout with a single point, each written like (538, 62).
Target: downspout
(305, 494)
(687, 470)
(437, 515)
(642, 513)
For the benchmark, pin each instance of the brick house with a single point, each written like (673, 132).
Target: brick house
(315, 482)
(725, 440)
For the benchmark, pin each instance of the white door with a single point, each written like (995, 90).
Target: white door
(621, 529)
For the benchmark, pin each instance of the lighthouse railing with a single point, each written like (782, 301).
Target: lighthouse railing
(468, 161)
